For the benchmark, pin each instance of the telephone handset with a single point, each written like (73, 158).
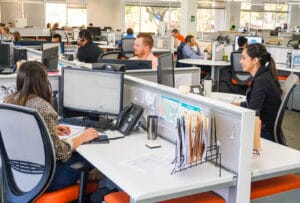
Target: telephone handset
(128, 118)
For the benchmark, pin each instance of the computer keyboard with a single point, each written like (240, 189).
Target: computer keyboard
(101, 125)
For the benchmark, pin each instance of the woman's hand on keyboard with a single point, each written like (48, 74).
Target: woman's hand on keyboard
(86, 136)
(63, 130)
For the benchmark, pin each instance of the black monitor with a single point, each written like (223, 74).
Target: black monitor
(92, 93)
(165, 70)
(130, 64)
(94, 31)
(50, 58)
(47, 45)
(31, 43)
(4, 55)
(296, 37)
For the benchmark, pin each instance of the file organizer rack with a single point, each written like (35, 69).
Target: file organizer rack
(212, 154)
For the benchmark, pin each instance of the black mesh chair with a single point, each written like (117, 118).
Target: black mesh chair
(238, 80)
(111, 55)
(287, 90)
(28, 159)
(27, 154)
(238, 76)
(127, 46)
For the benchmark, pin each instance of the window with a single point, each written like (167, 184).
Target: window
(72, 13)
(153, 15)
(56, 13)
(263, 16)
(210, 16)
(77, 17)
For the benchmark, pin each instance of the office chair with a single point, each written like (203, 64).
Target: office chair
(287, 89)
(181, 55)
(127, 47)
(238, 80)
(111, 55)
(238, 76)
(28, 158)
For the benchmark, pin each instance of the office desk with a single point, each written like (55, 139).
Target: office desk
(282, 67)
(160, 51)
(227, 97)
(213, 64)
(157, 183)
(275, 160)
(108, 47)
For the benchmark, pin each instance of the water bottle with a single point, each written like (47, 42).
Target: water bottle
(289, 59)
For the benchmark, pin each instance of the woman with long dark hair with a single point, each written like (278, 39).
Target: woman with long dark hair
(34, 91)
(264, 93)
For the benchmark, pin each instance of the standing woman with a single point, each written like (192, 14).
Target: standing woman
(264, 93)
(33, 91)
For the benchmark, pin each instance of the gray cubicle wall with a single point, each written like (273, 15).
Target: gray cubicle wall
(234, 129)
(183, 76)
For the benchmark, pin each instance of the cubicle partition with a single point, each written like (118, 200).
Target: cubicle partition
(234, 131)
(183, 76)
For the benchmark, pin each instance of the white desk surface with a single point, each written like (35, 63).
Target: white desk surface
(103, 46)
(280, 66)
(227, 97)
(205, 62)
(275, 160)
(157, 183)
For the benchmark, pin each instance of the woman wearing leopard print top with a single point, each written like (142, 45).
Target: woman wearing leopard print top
(33, 91)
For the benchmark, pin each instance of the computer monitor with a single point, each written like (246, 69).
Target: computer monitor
(4, 54)
(60, 45)
(296, 37)
(165, 70)
(87, 92)
(130, 64)
(250, 40)
(29, 43)
(94, 31)
(50, 58)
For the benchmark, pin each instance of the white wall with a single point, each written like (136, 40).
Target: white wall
(106, 13)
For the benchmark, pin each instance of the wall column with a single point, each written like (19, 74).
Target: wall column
(188, 17)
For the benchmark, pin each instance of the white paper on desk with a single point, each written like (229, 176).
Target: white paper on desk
(75, 131)
(148, 162)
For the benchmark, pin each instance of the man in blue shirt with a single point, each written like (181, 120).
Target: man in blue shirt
(129, 35)
(188, 49)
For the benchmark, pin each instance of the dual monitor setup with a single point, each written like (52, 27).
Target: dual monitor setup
(9, 55)
(100, 92)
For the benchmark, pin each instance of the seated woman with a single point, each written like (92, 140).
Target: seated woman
(264, 93)
(34, 91)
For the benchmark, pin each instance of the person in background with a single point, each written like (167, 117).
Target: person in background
(142, 49)
(55, 26)
(264, 93)
(5, 33)
(129, 35)
(91, 25)
(10, 25)
(56, 38)
(33, 91)
(88, 52)
(16, 36)
(188, 49)
(242, 43)
(48, 25)
(179, 37)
